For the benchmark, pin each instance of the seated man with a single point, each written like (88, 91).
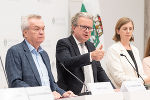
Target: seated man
(27, 64)
(79, 56)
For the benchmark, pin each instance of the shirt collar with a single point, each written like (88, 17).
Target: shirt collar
(31, 48)
(78, 43)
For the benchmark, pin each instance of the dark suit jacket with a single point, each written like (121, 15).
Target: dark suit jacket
(67, 52)
(22, 71)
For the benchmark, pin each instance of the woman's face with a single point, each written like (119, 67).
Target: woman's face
(125, 32)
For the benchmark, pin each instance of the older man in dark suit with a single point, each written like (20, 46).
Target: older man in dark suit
(79, 56)
(27, 64)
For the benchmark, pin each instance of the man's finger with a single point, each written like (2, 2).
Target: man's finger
(100, 48)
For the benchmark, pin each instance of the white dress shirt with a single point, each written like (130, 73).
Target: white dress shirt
(88, 72)
(41, 67)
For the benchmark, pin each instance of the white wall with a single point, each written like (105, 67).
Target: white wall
(111, 11)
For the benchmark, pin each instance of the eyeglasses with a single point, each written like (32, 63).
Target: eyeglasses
(83, 27)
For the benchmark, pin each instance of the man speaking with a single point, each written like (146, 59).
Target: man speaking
(79, 56)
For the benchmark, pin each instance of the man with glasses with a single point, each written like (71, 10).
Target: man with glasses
(27, 64)
(79, 56)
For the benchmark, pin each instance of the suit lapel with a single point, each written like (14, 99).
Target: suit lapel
(124, 51)
(46, 61)
(88, 46)
(135, 54)
(74, 45)
(31, 61)
(93, 67)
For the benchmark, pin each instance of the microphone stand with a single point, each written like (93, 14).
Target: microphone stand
(4, 70)
(146, 86)
(86, 92)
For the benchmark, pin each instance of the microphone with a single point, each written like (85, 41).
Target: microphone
(4, 70)
(133, 67)
(86, 92)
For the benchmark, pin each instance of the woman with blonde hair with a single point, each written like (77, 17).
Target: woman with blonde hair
(146, 60)
(123, 60)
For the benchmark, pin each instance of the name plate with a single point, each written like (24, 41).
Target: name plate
(129, 86)
(100, 88)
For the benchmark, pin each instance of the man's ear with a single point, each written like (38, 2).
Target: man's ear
(73, 27)
(25, 32)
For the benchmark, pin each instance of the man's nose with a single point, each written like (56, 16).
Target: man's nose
(41, 31)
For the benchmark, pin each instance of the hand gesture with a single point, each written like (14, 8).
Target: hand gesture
(98, 54)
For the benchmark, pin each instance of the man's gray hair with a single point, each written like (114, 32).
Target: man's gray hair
(74, 20)
(25, 23)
